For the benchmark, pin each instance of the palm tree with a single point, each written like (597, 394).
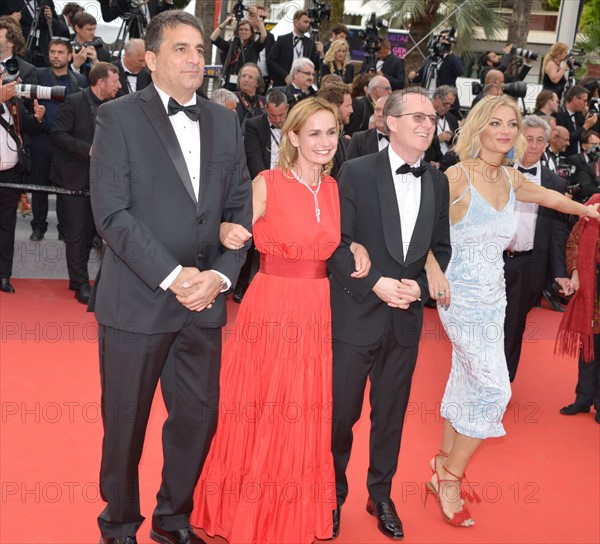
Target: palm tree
(422, 16)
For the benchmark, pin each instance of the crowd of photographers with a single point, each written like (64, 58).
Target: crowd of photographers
(262, 79)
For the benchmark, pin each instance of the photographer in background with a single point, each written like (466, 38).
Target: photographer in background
(388, 65)
(587, 164)
(69, 11)
(87, 48)
(546, 103)
(12, 46)
(242, 48)
(60, 54)
(491, 60)
(291, 47)
(574, 116)
(555, 68)
(14, 121)
(138, 14)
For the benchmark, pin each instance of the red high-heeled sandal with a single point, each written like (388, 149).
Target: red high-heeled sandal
(463, 515)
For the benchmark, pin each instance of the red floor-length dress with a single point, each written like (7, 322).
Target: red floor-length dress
(269, 473)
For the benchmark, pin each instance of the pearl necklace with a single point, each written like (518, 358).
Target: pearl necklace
(314, 193)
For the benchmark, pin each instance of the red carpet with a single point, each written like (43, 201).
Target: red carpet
(540, 483)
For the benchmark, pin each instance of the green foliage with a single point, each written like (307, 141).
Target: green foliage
(590, 15)
(554, 4)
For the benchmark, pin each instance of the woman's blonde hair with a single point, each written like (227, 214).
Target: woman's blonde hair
(557, 49)
(330, 55)
(468, 145)
(296, 119)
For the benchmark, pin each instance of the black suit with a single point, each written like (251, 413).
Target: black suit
(392, 68)
(434, 153)
(72, 136)
(362, 109)
(585, 176)
(575, 128)
(143, 78)
(525, 275)
(369, 337)
(340, 156)
(450, 68)
(281, 57)
(112, 10)
(363, 143)
(152, 222)
(257, 143)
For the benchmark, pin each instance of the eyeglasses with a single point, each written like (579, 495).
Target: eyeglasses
(419, 117)
(384, 88)
(312, 74)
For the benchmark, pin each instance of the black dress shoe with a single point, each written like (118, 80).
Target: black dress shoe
(61, 237)
(551, 300)
(180, 536)
(37, 235)
(337, 514)
(5, 286)
(72, 286)
(119, 540)
(388, 521)
(573, 409)
(83, 293)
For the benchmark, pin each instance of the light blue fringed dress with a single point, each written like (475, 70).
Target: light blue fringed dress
(478, 388)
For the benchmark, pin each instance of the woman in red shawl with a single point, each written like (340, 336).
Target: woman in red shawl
(579, 330)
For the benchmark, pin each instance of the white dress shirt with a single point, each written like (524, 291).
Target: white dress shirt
(526, 215)
(408, 195)
(9, 157)
(275, 143)
(382, 143)
(131, 78)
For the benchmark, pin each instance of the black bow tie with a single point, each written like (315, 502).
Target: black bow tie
(296, 40)
(416, 171)
(532, 171)
(273, 127)
(127, 74)
(382, 137)
(174, 107)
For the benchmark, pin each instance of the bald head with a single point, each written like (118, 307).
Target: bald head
(134, 57)
(494, 76)
(379, 86)
(561, 140)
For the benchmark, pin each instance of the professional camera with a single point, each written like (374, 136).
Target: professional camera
(594, 106)
(238, 10)
(440, 44)
(11, 70)
(318, 13)
(526, 54)
(371, 40)
(594, 153)
(97, 42)
(569, 173)
(56, 93)
(516, 89)
(572, 61)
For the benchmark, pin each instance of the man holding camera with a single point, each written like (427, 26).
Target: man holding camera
(88, 49)
(13, 119)
(388, 65)
(491, 60)
(60, 53)
(72, 137)
(291, 47)
(138, 14)
(12, 46)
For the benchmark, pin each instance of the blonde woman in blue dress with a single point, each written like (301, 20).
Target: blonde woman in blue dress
(472, 297)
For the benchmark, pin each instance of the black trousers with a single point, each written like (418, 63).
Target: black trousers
(520, 299)
(80, 232)
(389, 367)
(9, 200)
(187, 363)
(587, 390)
(41, 159)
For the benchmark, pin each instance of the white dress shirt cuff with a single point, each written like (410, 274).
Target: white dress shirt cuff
(225, 279)
(166, 283)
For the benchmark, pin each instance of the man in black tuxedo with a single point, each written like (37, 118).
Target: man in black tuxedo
(540, 240)
(388, 65)
(133, 75)
(587, 164)
(364, 107)
(262, 136)
(72, 136)
(291, 47)
(372, 140)
(49, 25)
(88, 49)
(574, 117)
(12, 46)
(302, 81)
(443, 99)
(60, 54)
(158, 297)
(14, 121)
(376, 321)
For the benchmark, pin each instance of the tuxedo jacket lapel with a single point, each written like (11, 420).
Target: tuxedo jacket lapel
(155, 111)
(206, 127)
(390, 215)
(421, 238)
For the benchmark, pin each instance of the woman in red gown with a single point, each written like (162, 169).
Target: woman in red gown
(269, 477)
